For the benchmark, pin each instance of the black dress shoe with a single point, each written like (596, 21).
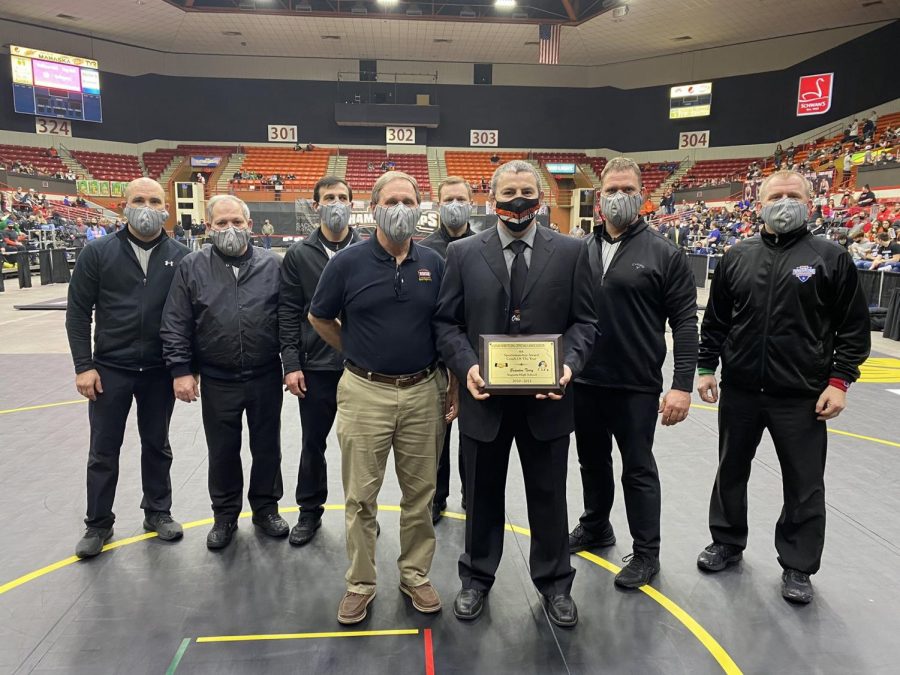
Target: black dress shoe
(716, 557)
(641, 568)
(436, 510)
(468, 604)
(305, 529)
(221, 534)
(581, 540)
(561, 609)
(796, 587)
(272, 524)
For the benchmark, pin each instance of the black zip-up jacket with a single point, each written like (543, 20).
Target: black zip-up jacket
(301, 346)
(647, 283)
(220, 325)
(785, 314)
(440, 239)
(109, 283)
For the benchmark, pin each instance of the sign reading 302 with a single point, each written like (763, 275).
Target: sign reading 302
(400, 135)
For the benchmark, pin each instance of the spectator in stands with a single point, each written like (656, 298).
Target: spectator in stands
(12, 241)
(230, 337)
(853, 132)
(554, 227)
(267, 231)
(790, 152)
(81, 202)
(667, 203)
(779, 153)
(495, 158)
(866, 197)
(95, 231)
(66, 201)
(868, 129)
(178, 232)
(120, 287)
(312, 369)
(577, 231)
(885, 256)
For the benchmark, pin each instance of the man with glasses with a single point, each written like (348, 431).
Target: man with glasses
(374, 304)
(221, 320)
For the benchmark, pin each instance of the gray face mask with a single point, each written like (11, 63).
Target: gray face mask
(398, 222)
(145, 220)
(230, 241)
(335, 216)
(620, 209)
(455, 215)
(784, 215)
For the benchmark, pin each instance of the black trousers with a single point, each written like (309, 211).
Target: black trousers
(317, 412)
(152, 391)
(800, 443)
(544, 470)
(602, 414)
(224, 403)
(443, 475)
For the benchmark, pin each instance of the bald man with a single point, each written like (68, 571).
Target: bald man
(121, 282)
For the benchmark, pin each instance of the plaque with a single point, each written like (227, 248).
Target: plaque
(522, 365)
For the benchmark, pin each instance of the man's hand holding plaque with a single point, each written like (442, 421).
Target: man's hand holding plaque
(521, 365)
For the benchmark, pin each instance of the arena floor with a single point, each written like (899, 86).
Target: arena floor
(261, 606)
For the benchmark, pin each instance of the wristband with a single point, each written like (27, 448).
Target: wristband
(705, 371)
(838, 383)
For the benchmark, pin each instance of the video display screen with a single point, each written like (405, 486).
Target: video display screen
(55, 85)
(561, 169)
(690, 100)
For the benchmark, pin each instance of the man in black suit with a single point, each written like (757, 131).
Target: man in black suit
(520, 279)
(679, 234)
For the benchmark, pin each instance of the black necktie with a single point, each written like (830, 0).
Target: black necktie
(517, 276)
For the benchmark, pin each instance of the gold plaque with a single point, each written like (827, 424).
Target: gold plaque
(521, 364)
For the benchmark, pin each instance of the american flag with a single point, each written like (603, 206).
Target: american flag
(549, 37)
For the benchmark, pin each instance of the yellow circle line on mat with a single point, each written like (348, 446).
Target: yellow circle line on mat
(871, 439)
(701, 634)
(42, 406)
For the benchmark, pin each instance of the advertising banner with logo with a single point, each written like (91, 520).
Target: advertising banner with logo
(814, 94)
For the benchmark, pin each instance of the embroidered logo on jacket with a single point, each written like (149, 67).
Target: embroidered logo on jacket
(424, 275)
(169, 263)
(804, 273)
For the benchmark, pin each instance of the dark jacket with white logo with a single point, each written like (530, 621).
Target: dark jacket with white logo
(220, 325)
(301, 346)
(647, 283)
(785, 314)
(127, 304)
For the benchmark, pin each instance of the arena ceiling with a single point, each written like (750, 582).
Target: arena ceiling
(594, 32)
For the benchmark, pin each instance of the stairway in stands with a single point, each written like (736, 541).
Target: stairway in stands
(337, 166)
(437, 172)
(676, 175)
(234, 163)
(73, 164)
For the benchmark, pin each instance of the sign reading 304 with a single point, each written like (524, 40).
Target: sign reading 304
(400, 135)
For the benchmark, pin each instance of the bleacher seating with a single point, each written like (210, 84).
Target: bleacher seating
(597, 164)
(475, 166)
(157, 161)
(362, 178)
(37, 157)
(71, 212)
(654, 174)
(306, 166)
(709, 170)
(109, 166)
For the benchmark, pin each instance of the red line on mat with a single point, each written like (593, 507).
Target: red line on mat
(429, 653)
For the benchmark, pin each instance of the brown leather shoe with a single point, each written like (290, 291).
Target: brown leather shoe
(353, 607)
(424, 597)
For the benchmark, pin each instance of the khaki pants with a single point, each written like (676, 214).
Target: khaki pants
(372, 417)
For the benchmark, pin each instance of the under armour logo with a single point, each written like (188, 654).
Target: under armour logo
(169, 263)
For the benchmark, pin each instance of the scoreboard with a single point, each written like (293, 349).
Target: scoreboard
(55, 85)
(690, 100)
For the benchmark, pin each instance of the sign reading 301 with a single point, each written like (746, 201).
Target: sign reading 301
(282, 133)
(483, 138)
(404, 135)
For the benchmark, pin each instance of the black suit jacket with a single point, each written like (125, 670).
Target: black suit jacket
(684, 234)
(474, 301)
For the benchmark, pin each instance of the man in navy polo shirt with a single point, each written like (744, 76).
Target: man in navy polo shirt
(374, 304)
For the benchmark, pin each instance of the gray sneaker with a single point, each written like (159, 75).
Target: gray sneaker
(92, 542)
(162, 523)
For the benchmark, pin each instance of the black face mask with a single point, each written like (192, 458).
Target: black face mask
(518, 213)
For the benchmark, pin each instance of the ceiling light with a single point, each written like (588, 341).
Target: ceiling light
(330, 37)
(442, 41)
(682, 38)
(504, 4)
(231, 33)
(387, 3)
(68, 17)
